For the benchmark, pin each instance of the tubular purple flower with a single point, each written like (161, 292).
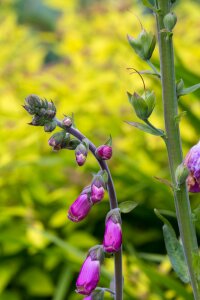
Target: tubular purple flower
(88, 298)
(192, 162)
(90, 272)
(104, 152)
(97, 189)
(113, 234)
(80, 208)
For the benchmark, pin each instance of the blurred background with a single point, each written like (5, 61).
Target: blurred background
(75, 52)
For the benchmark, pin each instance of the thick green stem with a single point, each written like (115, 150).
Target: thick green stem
(174, 147)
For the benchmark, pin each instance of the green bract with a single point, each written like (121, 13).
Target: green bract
(144, 44)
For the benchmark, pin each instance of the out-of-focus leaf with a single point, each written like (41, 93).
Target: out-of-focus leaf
(37, 282)
(7, 271)
(37, 14)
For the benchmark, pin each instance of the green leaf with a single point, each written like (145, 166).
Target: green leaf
(127, 206)
(189, 90)
(149, 5)
(174, 249)
(146, 128)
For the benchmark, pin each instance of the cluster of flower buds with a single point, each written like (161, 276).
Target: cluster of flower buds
(143, 105)
(144, 44)
(43, 112)
(192, 162)
(90, 195)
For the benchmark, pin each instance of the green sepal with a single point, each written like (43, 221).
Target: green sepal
(72, 144)
(98, 294)
(181, 174)
(179, 86)
(109, 141)
(143, 45)
(146, 128)
(150, 101)
(140, 106)
(174, 249)
(127, 206)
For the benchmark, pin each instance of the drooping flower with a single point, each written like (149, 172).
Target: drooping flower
(80, 208)
(90, 271)
(192, 162)
(113, 233)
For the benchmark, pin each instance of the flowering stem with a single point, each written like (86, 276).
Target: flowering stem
(113, 204)
(174, 147)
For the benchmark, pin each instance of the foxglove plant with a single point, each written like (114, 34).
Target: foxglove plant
(72, 139)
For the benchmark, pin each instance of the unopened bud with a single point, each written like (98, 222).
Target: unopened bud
(143, 105)
(59, 140)
(81, 154)
(50, 126)
(67, 121)
(97, 189)
(170, 21)
(181, 174)
(144, 44)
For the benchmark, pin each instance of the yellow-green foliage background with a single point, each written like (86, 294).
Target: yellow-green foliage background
(78, 58)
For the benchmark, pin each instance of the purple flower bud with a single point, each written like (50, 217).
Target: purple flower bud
(97, 189)
(67, 121)
(104, 152)
(81, 154)
(113, 235)
(80, 208)
(89, 275)
(59, 140)
(192, 162)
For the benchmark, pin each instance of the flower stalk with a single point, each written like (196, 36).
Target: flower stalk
(173, 144)
(113, 204)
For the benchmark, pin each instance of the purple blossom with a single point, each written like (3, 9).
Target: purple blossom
(112, 236)
(88, 298)
(104, 152)
(192, 162)
(88, 277)
(80, 208)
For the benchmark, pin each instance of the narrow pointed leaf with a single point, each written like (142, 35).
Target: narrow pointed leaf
(189, 90)
(127, 206)
(174, 249)
(149, 5)
(146, 128)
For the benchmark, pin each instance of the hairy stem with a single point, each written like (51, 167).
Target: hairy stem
(173, 143)
(113, 204)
